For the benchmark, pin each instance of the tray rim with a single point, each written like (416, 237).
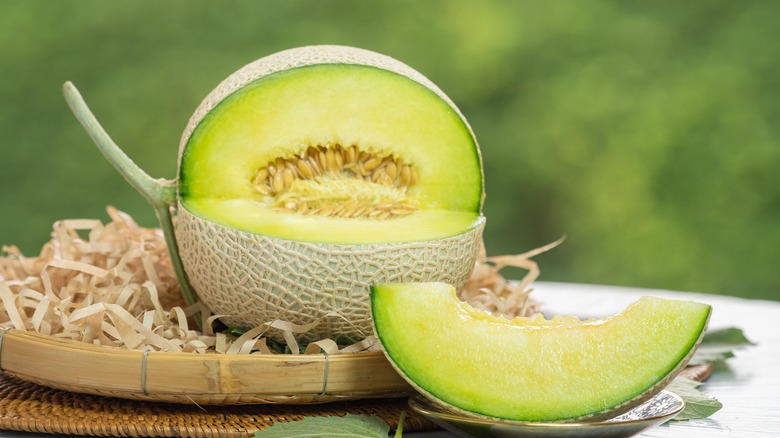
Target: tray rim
(212, 378)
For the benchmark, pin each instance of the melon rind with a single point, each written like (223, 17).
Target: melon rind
(254, 279)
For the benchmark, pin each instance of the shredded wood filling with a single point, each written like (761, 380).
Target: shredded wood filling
(114, 285)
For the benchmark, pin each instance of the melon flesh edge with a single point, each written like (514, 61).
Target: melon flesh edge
(562, 369)
(253, 279)
(244, 215)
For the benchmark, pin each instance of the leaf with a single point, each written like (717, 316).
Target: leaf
(719, 345)
(715, 356)
(715, 348)
(727, 336)
(350, 425)
(697, 403)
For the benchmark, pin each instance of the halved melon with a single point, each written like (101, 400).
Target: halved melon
(310, 174)
(560, 369)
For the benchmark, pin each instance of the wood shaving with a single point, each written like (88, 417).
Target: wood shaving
(487, 289)
(113, 285)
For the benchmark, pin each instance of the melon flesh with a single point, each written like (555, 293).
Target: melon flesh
(533, 369)
(382, 113)
(253, 217)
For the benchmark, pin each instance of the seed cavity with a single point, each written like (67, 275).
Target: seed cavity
(336, 163)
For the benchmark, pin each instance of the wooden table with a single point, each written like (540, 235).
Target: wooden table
(749, 389)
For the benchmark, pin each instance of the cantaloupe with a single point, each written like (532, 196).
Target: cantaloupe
(310, 174)
(561, 369)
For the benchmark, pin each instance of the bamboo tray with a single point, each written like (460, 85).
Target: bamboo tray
(28, 407)
(197, 378)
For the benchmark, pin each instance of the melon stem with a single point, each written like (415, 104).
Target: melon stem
(160, 193)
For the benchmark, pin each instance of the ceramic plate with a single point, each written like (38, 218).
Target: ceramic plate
(652, 413)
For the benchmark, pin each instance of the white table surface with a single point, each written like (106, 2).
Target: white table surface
(749, 389)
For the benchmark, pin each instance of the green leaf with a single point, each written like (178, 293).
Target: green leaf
(715, 348)
(719, 345)
(350, 425)
(697, 403)
(235, 331)
(727, 336)
(713, 356)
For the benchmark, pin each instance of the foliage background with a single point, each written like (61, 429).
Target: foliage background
(646, 132)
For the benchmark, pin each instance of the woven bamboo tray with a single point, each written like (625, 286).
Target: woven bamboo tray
(198, 378)
(28, 407)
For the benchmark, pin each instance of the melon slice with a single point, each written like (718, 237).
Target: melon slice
(562, 369)
(308, 175)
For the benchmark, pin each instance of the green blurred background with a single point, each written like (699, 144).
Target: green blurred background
(646, 132)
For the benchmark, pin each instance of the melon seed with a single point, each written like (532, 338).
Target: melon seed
(305, 169)
(289, 177)
(279, 175)
(278, 183)
(262, 174)
(262, 189)
(391, 170)
(371, 164)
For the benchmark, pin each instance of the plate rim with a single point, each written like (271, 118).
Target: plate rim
(445, 415)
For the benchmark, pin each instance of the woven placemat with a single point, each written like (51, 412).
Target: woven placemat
(28, 407)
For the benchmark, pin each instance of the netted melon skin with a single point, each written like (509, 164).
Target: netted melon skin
(253, 279)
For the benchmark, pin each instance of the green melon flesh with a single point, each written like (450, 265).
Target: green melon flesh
(533, 369)
(284, 113)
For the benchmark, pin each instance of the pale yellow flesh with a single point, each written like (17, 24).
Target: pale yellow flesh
(248, 215)
(381, 112)
(531, 369)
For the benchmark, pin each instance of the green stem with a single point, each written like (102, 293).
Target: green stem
(160, 193)
(166, 223)
(399, 431)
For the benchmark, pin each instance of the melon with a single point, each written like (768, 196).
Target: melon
(308, 175)
(533, 369)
